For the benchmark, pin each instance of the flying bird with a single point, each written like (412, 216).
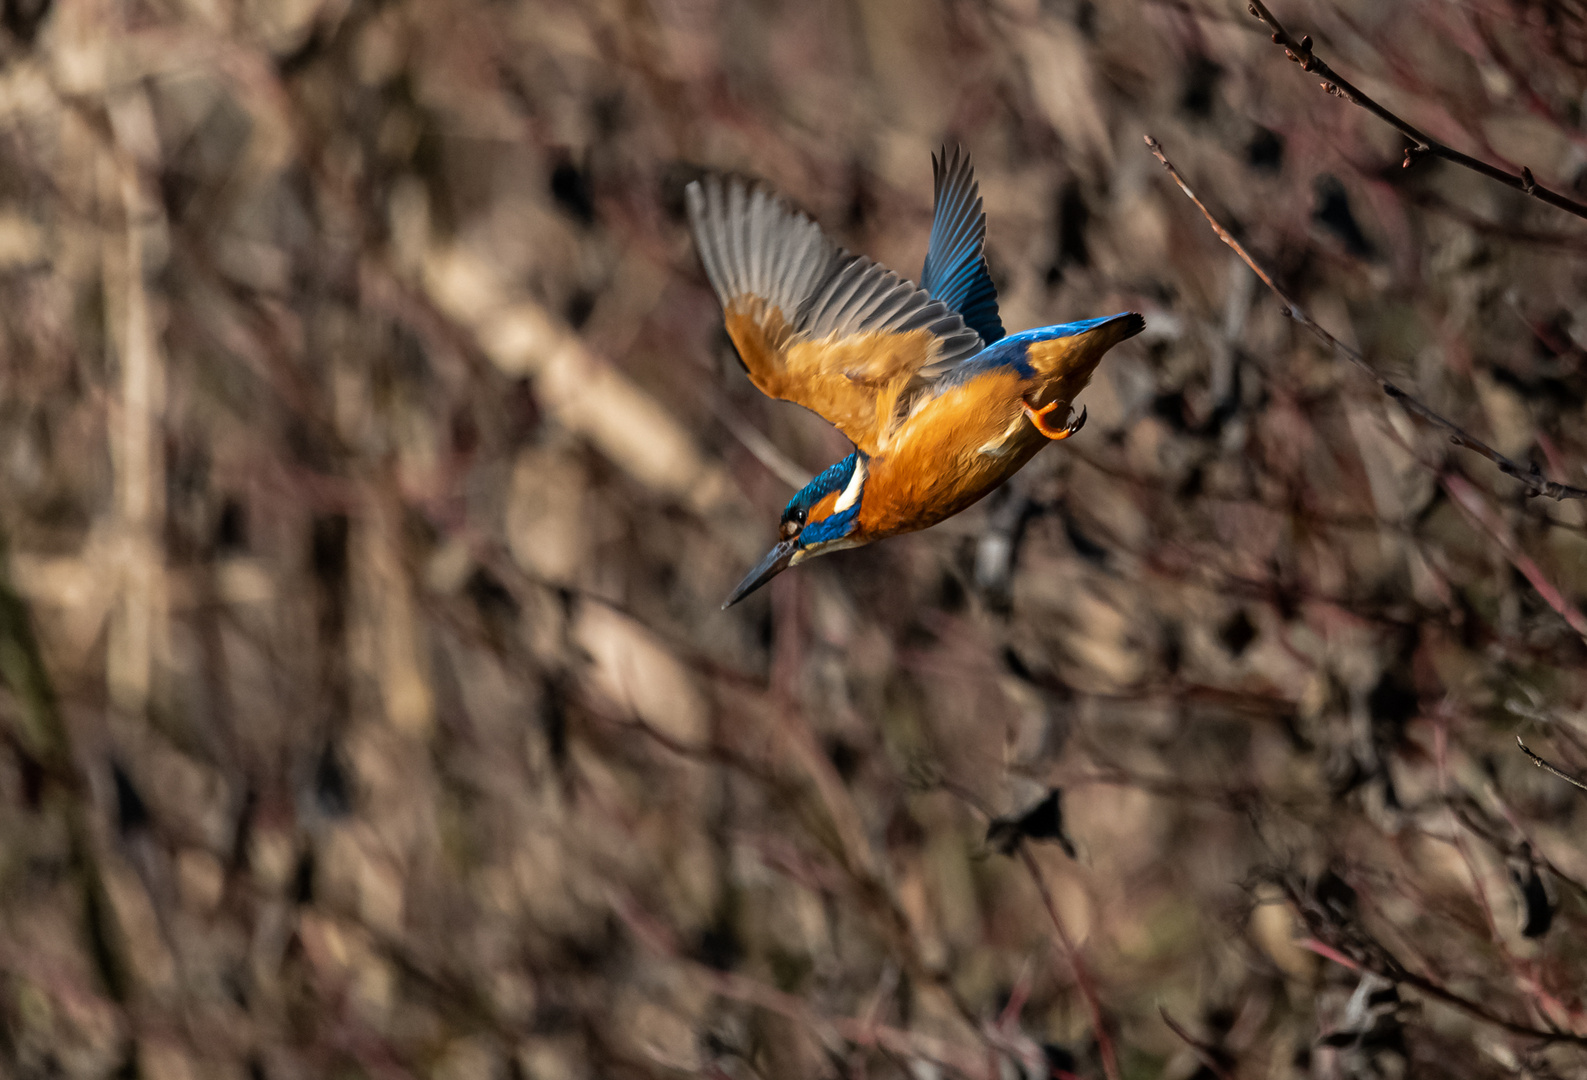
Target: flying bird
(941, 406)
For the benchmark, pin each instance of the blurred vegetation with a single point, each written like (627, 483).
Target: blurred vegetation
(373, 464)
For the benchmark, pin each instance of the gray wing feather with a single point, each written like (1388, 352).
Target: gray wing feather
(751, 243)
(737, 226)
(762, 245)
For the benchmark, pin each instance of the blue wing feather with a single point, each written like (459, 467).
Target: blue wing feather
(955, 270)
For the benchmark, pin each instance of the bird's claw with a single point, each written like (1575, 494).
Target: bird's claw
(1038, 417)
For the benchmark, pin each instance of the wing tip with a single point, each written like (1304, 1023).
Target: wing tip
(754, 242)
(955, 269)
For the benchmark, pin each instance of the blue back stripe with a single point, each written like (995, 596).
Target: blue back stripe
(1013, 352)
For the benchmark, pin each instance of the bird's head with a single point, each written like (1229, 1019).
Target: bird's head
(819, 519)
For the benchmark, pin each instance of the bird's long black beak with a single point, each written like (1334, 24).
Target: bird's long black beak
(775, 562)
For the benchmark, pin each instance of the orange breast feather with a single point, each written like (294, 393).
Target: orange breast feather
(957, 447)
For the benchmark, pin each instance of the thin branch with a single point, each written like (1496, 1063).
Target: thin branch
(1521, 971)
(1424, 145)
(1436, 203)
(1476, 507)
(1438, 992)
(42, 733)
(1428, 988)
(865, 1031)
(1208, 1055)
(760, 447)
(1457, 837)
(1532, 477)
(1547, 766)
(1328, 952)
(862, 1032)
(1088, 990)
(848, 844)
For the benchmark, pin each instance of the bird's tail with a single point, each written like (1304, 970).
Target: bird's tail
(1065, 361)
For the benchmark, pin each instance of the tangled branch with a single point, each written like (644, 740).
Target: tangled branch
(1335, 938)
(1536, 483)
(1300, 51)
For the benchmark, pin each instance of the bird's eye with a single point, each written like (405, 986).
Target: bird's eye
(792, 523)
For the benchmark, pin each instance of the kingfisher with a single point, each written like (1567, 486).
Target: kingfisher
(940, 404)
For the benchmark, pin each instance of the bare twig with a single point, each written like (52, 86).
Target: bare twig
(862, 1031)
(1088, 990)
(1441, 759)
(1300, 51)
(1476, 507)
(1328, 952)
(761, 448)
(1547, 766)
(139, 622)
(1524, 974)
(1428, 988)
(1438, 992)
(1207, 1055)
(41, 732)
(1534, 480)
(1436, 203)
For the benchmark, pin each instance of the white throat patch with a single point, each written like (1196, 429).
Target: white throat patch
(851, 494)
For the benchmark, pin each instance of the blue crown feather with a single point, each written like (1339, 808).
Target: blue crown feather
(835, 478)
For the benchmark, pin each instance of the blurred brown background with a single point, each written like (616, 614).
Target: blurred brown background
(372, 466)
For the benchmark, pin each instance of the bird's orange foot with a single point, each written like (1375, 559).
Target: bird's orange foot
(1039, 418)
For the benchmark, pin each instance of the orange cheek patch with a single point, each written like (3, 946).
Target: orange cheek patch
(823, 508)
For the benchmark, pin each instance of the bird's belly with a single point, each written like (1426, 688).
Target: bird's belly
(956, 449)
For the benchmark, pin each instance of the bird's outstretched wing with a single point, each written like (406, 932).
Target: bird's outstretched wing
(837, 333)
(955, 270)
